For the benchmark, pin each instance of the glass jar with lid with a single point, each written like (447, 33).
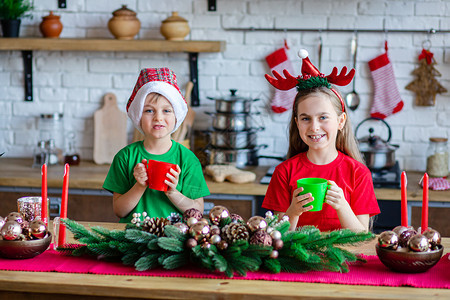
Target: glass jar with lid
(437, 157)
(51, 127)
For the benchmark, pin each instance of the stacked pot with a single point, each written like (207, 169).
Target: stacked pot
(232, 139)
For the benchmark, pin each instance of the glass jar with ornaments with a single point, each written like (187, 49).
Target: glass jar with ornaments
(437, 157)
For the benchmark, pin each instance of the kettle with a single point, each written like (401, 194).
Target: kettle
(378, 153)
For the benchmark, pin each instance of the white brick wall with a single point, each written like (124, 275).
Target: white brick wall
(74, 82)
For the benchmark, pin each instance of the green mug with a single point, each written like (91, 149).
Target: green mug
(318, 189)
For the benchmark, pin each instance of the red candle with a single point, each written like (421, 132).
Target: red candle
(425, 203)
(63, 214)
(44, 216)
(404, 202)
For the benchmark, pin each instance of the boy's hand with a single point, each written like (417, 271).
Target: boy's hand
(172, 180)
(335, 196)
(140, 173)
(298, 201)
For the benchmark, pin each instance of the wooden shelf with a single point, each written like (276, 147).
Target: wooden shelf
(27, 45)
(110, 45)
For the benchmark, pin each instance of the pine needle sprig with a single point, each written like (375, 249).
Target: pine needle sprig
(79, 231)
(139, 236)
(147, 262)
(171, 244)
(173, 232)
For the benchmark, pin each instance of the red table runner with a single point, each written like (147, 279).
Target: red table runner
(371, 273)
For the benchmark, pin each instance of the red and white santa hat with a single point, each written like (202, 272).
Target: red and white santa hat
(156, 80)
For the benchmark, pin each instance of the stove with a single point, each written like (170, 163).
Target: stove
(387, 178)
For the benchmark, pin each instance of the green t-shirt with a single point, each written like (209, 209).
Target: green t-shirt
(191, 182)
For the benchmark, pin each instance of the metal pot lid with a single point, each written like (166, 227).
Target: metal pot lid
(374, 143)
(233, 97)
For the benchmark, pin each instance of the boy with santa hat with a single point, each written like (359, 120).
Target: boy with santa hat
(156, 108)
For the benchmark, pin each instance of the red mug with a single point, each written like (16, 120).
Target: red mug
(156, 172)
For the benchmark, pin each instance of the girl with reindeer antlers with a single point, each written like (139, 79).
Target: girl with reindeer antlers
(321, 145)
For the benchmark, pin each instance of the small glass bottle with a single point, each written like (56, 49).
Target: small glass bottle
(52, 152)
(71, 156)
(40, 155)
(437, 157)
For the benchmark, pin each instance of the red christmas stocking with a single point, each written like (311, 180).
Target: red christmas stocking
(282, 100)
(386, 100)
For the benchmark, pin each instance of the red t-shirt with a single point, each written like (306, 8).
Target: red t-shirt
(353, 177)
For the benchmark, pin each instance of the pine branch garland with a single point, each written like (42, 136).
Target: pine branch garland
(304, 249)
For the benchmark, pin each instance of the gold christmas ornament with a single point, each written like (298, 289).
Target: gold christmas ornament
(218, 213)
(256, 223)
(199, 231)
(38, 229)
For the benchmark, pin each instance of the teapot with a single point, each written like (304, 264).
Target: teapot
(378, 153)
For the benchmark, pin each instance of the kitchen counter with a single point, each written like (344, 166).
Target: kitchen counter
(50, 285)
(17, 172)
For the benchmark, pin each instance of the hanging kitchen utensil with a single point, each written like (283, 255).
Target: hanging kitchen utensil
(110, 130)
(352, 99)
(319, 50)
(378, 153)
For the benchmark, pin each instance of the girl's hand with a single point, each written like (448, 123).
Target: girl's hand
(140, 173)
(335, 197)
(298, 201)
(172, 182)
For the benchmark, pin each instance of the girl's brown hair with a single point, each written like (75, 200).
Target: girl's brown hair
(345, 140)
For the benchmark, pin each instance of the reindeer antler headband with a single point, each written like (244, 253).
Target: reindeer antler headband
(311, 77)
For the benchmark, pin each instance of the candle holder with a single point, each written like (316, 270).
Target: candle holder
(29, 207)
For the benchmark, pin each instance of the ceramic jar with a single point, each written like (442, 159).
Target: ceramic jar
(124, 25)
(51, 26)
(175, 28)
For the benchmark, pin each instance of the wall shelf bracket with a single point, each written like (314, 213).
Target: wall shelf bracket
(27, 56)
(193, 68)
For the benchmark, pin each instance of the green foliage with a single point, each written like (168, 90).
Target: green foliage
(312, 82)
(15, 9)
(304, 250)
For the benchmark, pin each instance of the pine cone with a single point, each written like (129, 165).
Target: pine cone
(156, 226)
(261, 237)
(235, 231)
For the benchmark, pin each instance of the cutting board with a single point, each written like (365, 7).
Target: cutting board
(110, 130)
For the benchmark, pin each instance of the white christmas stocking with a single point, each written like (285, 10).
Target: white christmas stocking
(386, 99)
(282, 100)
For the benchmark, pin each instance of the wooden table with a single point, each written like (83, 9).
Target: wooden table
(48, 285)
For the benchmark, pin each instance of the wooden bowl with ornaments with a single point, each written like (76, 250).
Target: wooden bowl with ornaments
(20, 239)
(416, 255)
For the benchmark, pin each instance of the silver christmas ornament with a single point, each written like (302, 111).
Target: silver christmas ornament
(418, 243)
(15, 216)
(388, 239)
(183, 228)
(191, 221)
(275, 235)
(274, 254)
(11, 230)
(215, 239)
(433, 236)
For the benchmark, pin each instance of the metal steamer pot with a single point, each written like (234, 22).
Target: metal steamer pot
(378, 153)
(232, 121)
(234, 139)
(237, 157)
(233, 104)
